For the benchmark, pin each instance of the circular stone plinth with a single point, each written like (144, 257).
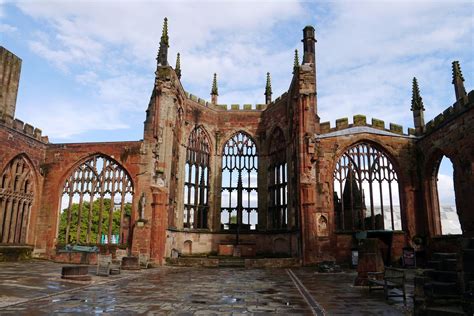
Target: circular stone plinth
(78, 273)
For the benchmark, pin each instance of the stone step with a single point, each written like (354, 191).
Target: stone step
(467, 243)
(446, 289)
(449, 265)
(434, 264)
(439, 256)
(442, 276)
(232, 262)
(444, 311)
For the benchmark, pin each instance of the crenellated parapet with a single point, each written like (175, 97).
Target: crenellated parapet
(24, 128)
(461, 106)
(361, 120)
(238, 107)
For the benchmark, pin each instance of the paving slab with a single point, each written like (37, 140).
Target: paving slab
(35, 288)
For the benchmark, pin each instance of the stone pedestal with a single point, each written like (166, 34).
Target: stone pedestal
(77, 273)
(370, 260)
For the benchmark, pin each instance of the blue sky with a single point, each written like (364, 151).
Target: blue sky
(88, 66)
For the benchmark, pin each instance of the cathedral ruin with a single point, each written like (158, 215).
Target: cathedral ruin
(256, 181)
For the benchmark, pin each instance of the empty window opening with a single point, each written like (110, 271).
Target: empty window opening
(239, 199)
(366, 195)
(446, 198)
(196, 183)
(96, 204)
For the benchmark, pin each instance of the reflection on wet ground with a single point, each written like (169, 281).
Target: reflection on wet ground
(35, 288)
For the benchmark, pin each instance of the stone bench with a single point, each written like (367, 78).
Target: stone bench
(391, 278)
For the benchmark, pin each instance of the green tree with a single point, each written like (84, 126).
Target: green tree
(94, 224)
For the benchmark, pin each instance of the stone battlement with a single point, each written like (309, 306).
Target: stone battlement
(459, 107)
(23, 128)
(236, 107)
(361, 120)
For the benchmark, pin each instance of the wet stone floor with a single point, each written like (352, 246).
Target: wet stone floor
(35, 288)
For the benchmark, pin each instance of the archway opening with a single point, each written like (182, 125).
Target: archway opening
(446, 198)
(96, 204)
(239, 199)
(366, 193)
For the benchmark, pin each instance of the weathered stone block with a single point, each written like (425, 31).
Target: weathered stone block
(325, 127)
(342, 123)
(193, 97)
(360, 120)
(28, 129)
(376, 123)
(396, 128)
(201, 101)
(223, 106)
(438, 119)
(411, 131)
(247, 106)
(261, 107)
(18, 124)
(235, 107)
(37, 133)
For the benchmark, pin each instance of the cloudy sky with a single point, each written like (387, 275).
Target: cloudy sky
(88, 66)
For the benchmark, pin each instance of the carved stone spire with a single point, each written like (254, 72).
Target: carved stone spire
(458, 81)
(268, 90)
(418, 109)
(296, 62)
(416, 100)
(214, 91)
(162, 57)
(177, 68)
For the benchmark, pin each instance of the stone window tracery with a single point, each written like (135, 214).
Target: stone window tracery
(16, 199)
(239, 203)
(278, 181)
(366, 193)
(196, 183)
(96, 203)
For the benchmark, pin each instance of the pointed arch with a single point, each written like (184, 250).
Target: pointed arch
(17, 188)
(239, 199)
(277, 180)
(366, 190)
(96, 202)
(196, 182)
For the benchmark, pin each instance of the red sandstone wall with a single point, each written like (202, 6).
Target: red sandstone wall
(60, 161)
(14, 143)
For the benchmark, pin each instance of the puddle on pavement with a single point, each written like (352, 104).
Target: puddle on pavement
(230, 299)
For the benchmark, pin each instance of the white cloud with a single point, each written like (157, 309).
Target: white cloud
(446, 190)
(367, 52)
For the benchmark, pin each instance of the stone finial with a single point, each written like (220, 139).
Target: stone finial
(162, 57)
(458, 81)
(296, 62)
(268, 90)
(164, 34)
(214, 91)
(416, 100)
(177, 68)
(418, 109)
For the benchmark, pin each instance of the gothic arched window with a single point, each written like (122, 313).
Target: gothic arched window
(16, 198)
(196, 183)
(96, 204)
(366, 190)
(278, 180)
(239, 204)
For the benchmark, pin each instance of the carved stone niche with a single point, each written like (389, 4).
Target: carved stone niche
(322, 225)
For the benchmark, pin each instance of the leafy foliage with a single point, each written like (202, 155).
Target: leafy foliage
(95, 221)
